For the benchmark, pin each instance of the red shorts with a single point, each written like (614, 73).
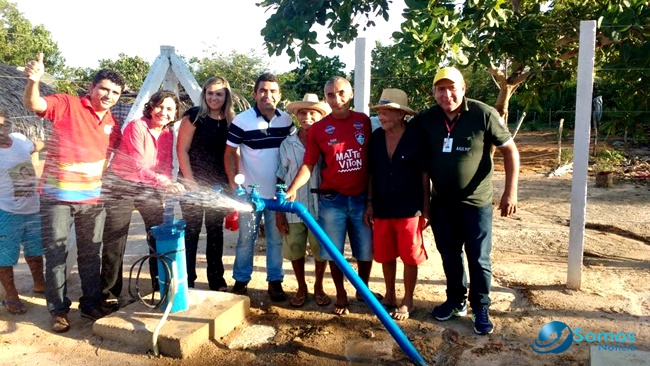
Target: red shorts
(402, 238)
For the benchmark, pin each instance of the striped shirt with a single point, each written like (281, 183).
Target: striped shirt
(259, 140)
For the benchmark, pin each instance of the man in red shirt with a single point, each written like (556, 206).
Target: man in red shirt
(341, 139)
(84, 133)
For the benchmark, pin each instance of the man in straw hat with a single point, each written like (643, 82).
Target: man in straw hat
(341, 139)
(460, 133)
(295, 233)
(398, 203)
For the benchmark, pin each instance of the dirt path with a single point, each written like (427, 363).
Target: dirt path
(529, 269)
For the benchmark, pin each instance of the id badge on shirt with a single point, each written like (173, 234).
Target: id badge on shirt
(447, 143)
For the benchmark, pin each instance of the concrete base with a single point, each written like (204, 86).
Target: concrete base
(613, 358)
(211, 315)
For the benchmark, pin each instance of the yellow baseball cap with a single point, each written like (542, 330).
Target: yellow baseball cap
(449, 73)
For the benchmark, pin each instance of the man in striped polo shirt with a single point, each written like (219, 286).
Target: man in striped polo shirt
(257, 133)
(84, 133)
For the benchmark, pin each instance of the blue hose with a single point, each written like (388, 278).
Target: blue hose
(279, 204)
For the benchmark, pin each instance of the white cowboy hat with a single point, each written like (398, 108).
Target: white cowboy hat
(309, 101)
(394, 99)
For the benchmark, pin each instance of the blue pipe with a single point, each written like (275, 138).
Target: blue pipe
(279, 204)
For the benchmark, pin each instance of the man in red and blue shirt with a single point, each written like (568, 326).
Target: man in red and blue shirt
(341, 139)
(84, 133)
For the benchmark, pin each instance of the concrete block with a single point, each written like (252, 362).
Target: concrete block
(211, 315)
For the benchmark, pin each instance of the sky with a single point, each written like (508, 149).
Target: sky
(88, 31)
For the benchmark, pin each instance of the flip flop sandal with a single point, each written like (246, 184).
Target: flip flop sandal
(16, 304)
(401, 315)
(341, 310)
(323, 300)
(298, 301)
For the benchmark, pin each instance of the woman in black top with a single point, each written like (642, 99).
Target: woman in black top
(200, 148)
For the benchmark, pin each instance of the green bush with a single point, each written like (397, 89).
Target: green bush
(605, 160)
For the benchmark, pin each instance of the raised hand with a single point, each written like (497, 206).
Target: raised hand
(35, 69)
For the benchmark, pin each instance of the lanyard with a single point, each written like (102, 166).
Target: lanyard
(453, 123)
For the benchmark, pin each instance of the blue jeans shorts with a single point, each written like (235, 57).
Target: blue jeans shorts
(17, 230)
(338, 215)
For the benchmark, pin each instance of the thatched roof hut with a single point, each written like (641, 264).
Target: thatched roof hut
(12, 86)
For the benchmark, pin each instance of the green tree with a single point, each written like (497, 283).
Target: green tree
(21, 42)
(311, 76)
(241, 70)
(132, 68)
(390, 71)
(516, 40)
(519, 42)
(290, 27)
(75, 80)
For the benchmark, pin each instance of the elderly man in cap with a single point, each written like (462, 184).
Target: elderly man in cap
(398, 198)
(295, 233)
(341, 140)
(460, 133)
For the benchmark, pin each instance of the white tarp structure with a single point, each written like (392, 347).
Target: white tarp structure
(167, 70)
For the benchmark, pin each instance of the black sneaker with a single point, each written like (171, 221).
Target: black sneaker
(276, 291)
(94, 314)
(240, 288)
(448, 309)
(482, 323)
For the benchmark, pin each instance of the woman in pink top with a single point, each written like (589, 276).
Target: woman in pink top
(137, 177)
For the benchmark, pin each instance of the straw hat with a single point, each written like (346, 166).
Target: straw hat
(309, 101)
(394, 99)
(449, 73)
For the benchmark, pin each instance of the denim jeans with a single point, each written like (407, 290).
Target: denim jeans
(249, 223)
(193, 215)
(338, 215)
(57, 218)
(120, 197)
(455, 225)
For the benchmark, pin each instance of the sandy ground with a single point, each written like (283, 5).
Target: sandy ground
(529, 290)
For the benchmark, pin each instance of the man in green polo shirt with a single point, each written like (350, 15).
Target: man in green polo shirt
(460, 133)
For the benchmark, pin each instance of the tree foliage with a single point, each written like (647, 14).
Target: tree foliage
(517, 40)
(523, 44)
(241, 70)
(21, 42)
(390, 71)
(290, 27)
(75, 80)
(132, 68)
(310, 77)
